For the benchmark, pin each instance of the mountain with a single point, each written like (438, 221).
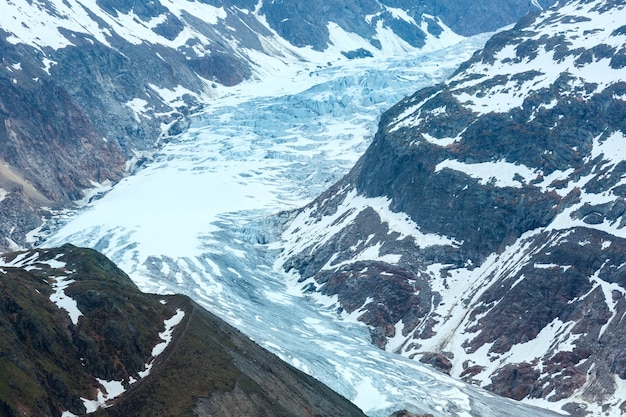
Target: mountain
(79, 337)
(198, 217)
(483, 230)
(88, 89)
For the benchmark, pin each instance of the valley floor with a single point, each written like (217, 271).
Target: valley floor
(197, 219)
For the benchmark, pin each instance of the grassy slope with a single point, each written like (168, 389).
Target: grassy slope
(47, 363)
(211, 369)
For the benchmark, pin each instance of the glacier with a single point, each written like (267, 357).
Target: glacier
(204, 215)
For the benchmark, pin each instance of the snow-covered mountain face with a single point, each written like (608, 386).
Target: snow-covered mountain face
(483, 230)
(198, 219)
(87, 85)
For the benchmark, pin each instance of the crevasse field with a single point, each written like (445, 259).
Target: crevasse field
(201, 219)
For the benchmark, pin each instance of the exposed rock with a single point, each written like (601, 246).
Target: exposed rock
(404, 413)
(53, 361)
(498, 198)
(514, 381)
(437, 360)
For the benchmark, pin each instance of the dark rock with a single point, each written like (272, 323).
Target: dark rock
(357, 53)
(470, 372)
(221, 68)
(169, 29)
(405, 413)
(535, 256)
(514, 380)
(66, 112)
(438, 361)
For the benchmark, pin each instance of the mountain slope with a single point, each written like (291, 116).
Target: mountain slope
(184, 224)
(78, 335)
(87, 86)
(483, 229)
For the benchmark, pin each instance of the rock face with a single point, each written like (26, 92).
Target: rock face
(76, 335)
(85, 88)
(485, 224)
(306, 24)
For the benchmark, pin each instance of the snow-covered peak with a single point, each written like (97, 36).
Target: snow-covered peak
(198, 29)
(581, 43)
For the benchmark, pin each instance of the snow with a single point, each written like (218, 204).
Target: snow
(32, 261)
(192, 219)
(47, 64)
(462, 287)
(555, 335)
(195, 220)
(537, 5)
(608, 289)
(611, 148)
(38, 25)
(552, 266)
(209, 13)
(166, 335)
(245, 163)
(303, 230)
(345, 40)
(566, 218)
(370, 253)
(369, 397)
(30, 24)
(503, 97)
(138, 107)
(174, 97)
(410, 116)
(59, 298)
(491, 172)
(609, 408)
(21, 260)
(400, 14)
(111, 390)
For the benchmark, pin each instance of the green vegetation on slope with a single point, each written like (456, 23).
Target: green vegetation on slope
(48, 364)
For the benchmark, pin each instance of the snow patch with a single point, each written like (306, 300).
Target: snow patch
(238, 163)
(400, 14)
(306, 228)
(166, 336)
(498, 174)
(611, 148)
(138, 107)
(58, 297)
(109, 391)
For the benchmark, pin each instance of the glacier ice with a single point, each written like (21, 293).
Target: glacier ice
(198, 217)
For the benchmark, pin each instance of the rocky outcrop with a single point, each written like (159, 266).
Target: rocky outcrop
(77, 336)
(485, 223)
(304, 24)
(404, 413)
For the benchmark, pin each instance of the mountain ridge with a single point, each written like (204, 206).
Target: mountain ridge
(482, 231)
(80, 338)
